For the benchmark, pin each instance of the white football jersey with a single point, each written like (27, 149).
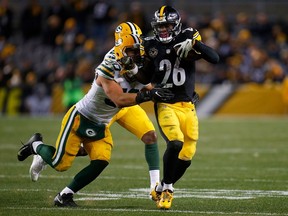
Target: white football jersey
(95, 105)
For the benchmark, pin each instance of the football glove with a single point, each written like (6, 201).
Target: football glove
(127, 63)
(184, 47)
(155, 94)
(130, 68)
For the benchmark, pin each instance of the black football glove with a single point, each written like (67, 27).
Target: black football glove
(155, 94)
(196, 98)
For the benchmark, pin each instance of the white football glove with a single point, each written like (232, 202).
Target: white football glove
(184, 47)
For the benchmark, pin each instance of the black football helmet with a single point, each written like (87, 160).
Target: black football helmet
(164, 17)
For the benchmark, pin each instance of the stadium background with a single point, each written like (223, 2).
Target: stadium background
(45, 54)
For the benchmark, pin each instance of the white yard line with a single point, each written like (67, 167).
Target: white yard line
(147, 210)
(195, 179)
(142, 193)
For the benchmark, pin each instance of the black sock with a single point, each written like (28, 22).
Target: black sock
(180, 169)
(169, 160)
(46, 152)
(87, 175)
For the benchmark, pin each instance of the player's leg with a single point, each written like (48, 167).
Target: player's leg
(135, 120)
(99, 152)
(67, 144)
(169, 118)
(42, 151)
(190, 130)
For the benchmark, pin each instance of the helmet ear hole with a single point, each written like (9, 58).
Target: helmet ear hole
(117, 55)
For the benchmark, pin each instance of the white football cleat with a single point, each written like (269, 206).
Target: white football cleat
(38, 164)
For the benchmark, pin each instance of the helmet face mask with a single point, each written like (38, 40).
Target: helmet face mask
(129, 45)
(166, 24)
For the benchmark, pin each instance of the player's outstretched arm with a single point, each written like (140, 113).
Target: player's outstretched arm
(207, 52)
(115, 93)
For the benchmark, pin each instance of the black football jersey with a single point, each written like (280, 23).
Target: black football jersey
(164, 68)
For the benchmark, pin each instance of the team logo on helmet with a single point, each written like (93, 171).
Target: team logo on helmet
(172, 17)
(118, 29)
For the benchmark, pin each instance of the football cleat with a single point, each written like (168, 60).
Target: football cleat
(38, 164)
(66, 200)
(26, 150)
(165, 201)
(154, 194)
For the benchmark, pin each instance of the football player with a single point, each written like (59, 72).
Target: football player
(88, 121)
(170, 62)
(134, 118)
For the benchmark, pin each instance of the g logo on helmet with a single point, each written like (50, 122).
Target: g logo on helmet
(118, 29)
(90, 132)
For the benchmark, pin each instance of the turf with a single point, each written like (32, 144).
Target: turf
(240, 168)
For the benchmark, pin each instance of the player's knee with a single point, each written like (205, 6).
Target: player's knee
(188, 151)
(150, 137)
(175, 145)
(102, 163)
(98, 165)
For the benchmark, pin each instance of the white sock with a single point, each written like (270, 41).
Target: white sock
(159, 188)
(36, 144)
(154, 177)
(168, 187)
(66, 190)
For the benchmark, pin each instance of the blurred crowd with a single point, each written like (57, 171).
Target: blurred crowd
(62, 43)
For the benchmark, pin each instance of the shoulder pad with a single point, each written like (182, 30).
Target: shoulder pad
(108, 67)
(110, 56)
(190, 32)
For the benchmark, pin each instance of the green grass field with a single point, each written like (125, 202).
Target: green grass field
(240, 168)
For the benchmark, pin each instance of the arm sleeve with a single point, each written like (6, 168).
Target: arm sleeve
(207, 52)
(145, 73)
